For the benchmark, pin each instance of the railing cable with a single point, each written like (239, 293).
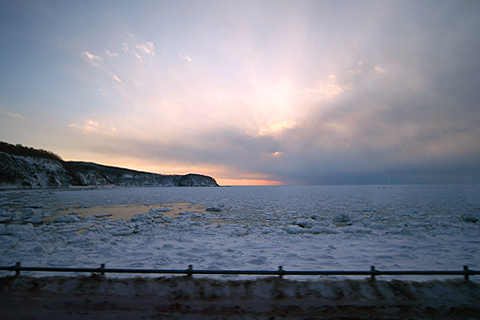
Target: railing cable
(466, 272)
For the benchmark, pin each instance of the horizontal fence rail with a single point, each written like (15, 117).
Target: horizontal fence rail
(466, 272)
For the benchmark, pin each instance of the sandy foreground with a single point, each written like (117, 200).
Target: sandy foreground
(183, 297)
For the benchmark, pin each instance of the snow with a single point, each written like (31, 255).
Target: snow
(97, 297)
(259, 228)
(35, 219)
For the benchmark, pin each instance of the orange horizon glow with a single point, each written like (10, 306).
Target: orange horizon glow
(248, 182)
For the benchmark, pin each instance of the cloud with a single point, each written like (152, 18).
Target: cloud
(114, 76)
(103, 91)
(329, 89)
(378, 69)
(90, 126)
(276, 127)
(13, 115)
(93, 59)
(188, 59)
(385, 130)
(387, 138)
(147, 48)
(111, 54)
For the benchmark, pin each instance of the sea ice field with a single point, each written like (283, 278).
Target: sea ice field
(393, 227)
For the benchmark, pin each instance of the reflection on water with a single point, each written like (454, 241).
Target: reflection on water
(127, 211)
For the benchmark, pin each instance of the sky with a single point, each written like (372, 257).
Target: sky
(249, 92)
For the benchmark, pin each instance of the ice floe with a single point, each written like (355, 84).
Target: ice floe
(301, 228)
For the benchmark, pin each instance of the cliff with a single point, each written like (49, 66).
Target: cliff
(36, 170)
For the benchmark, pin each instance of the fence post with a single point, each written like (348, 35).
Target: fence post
(102, 269)
(372, 269)
(466, 274)
(280, 271)
(189, 270)
(18, 265)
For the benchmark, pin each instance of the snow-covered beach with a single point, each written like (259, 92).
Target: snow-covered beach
(249, 228)
(96, 297)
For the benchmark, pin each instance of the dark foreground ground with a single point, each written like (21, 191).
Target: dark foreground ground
(98, 297)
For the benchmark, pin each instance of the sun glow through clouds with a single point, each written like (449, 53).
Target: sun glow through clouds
(288, 92)
(276, 127)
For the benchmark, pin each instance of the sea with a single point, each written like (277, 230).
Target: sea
(301, 228)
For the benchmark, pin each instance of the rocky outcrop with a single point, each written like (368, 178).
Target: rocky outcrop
(195, 180)
(25, 171)
(20, 171)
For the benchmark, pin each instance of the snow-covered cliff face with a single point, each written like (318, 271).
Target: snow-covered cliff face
(21, 171)
(95, 174)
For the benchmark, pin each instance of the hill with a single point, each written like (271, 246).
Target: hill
(25, 167)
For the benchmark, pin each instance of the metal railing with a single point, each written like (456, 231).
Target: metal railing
(466, 272)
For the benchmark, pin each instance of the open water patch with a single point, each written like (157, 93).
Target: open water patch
(127, 211)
